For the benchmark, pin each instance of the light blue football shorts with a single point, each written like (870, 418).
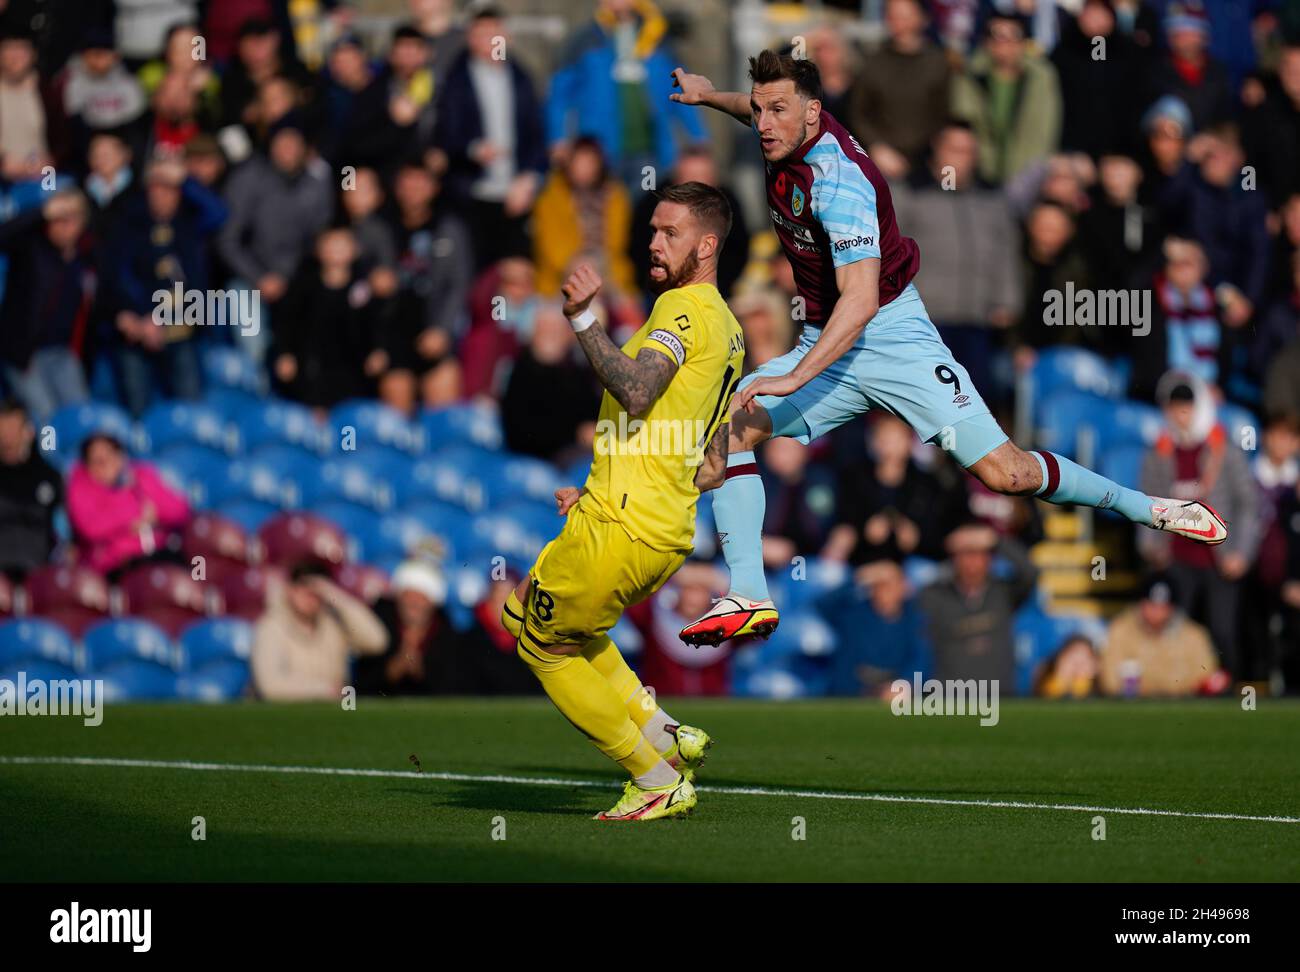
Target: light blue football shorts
(899, 364)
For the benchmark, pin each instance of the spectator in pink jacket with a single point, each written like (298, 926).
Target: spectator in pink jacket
(121, 511)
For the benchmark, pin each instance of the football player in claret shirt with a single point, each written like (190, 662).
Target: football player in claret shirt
(867, 342)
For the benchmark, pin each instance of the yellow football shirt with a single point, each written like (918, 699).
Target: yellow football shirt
(643, 470)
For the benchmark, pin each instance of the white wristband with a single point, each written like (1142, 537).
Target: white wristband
(582, 321)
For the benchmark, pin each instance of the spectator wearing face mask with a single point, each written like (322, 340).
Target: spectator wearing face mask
(1194, 457)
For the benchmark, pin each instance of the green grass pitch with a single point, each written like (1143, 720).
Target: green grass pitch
(101, 821)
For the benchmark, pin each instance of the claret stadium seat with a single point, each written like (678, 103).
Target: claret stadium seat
(293, 538)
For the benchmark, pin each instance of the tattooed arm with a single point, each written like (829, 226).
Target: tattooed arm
(713, 470)
(637, 384)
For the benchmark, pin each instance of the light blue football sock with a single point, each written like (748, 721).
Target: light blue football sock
(739, 505)
(1068, 482)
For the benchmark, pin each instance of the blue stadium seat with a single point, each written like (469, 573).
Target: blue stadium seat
(538, 518)
(73, 423)
(222, 681)
(375, 424)
(129, 639)
(279, 421)
(216, 640)
(458, 474)
(578, 471)
(351, 477)
(28, 640)
(755, 677)
(1074, 369)
(259, 477)
(248, 513)
(361, 526)
(1240, 423)
(443, 521)
(1123, 464)
(228, 367)
(295, 465)
(466, 586)
(137, 680)
(191, 422)
(197, 470)
(37, 669)
(400, 533)
(1127, 423)
(231, 402)
(802, 585)
(1059, 416)
(517, 539)
(468, 424)
(523, 477)
(216, 655)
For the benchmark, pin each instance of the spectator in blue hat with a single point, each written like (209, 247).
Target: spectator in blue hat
(1187, 69)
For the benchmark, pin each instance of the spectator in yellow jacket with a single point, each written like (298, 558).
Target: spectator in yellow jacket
(583, 212)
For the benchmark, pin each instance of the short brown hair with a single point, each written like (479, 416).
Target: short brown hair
(770, 66)
(707, 204)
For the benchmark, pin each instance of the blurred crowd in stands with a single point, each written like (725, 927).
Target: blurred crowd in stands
(391, 222)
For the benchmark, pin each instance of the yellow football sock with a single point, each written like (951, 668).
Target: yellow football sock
(642, 706)
(588, 701)
(512, 615)
(608, 660)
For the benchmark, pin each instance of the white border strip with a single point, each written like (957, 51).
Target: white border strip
(600, 784)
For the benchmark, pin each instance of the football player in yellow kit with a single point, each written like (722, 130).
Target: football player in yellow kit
(661, 433)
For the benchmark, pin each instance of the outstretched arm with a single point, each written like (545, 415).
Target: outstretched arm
(696, 89)
(637, 384)
(859, 299)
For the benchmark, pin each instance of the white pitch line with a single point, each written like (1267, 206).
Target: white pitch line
(597, 784)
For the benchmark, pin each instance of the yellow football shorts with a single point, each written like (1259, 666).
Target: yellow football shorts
(586, 577)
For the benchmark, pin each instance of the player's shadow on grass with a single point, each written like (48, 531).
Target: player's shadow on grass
(968, 793)
(506, 797)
